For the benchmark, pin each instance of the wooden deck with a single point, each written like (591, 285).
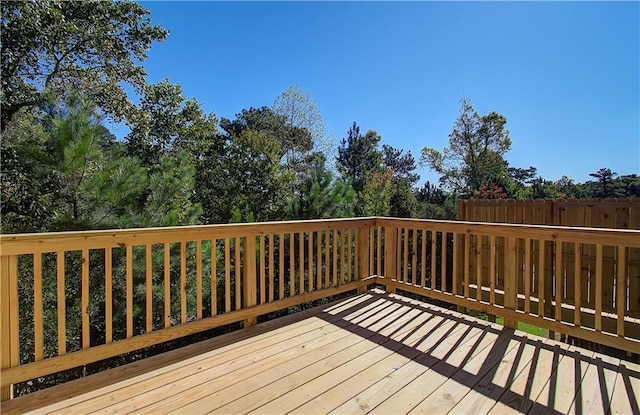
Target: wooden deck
(376, 352)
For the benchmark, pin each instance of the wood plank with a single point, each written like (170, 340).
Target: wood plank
(598, 291)
(492, 270)
(621, 288)
(5, 322)
(563, 386)
(577, 294)
(597, 385)
(626, 390)
(166, 362)
(494, 384)
(558, 277)
(527, 385)
(283, 377)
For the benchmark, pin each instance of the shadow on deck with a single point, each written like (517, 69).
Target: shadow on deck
(376, 352)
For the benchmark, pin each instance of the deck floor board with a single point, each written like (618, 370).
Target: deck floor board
(372, 353)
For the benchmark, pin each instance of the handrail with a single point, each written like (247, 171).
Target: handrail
(98, 294)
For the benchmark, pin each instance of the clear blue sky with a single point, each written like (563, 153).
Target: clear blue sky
(566, 75)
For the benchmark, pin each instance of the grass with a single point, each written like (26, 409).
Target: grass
(526, 327)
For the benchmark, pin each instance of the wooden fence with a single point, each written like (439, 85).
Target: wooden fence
(579, 266)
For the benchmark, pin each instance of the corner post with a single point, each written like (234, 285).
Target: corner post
(362, 239)
(510, 281)
(390, 255)
(249, 279)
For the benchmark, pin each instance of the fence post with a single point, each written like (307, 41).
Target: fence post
(510, 281)
(362, 241)
(250, 278)
(390, 252)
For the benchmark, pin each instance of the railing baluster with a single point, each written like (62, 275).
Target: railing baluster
(434, 262)
(558, 280)
(214, 277)
(443, 261)
(281, 267)
(454, 264)
(198, 279)
(527, 276)
(335, 257)
(319, 260)
(300, 263)
(167, 285)
(129, 290)
(272, 269)
(478, 267)
(577, 318)
(349, 257)
(467, 260)
(149, 287)
(37, 306)
(405, 255)
(492, 270)
(263, 276)
(183, 282)
(237, 267)
(379, 251)
(423, 259)
(62, 303)
(227, 275)
(621, 289)
(292, 267)
(310, 261)
(327, 259)
(542, 298)
(6, 317)
(598, 318)
(86, 341)
(414, 255)
(371, 242)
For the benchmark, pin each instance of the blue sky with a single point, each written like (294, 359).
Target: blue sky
(565, 75)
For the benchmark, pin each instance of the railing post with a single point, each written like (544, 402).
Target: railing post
(510, 281)
(249, 279)
(362, 240)
(6, 392)
(390, 252)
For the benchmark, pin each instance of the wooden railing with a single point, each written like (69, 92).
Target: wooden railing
(73, 298)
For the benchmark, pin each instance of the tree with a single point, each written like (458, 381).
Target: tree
(300, 112)
(403, 201)
(475, 152)
(375, 198)
(322, 196)
(358, 155)
(50, 46)
(166, 123)
(605, 182)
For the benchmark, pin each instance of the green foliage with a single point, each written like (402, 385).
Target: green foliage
(51, 46)
(166, 123)
(358, 155)
(475, 152)
(375, 198)
(322, 196)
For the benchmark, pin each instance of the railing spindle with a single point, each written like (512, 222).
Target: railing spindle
(310, 261)
(558, 280)
(198, 279)
(237, 273)
(423, 259)
(149, 287)
(454, 264)
(167, 285)
(262, 280)
(62, 303)
(292, 268)
(214, 277)
(300, 264)
(527, 276)
(621, 289)
(183, 282)
(577, 318)
(227, 275)
(37, 306)
(598, 317)
(319, 260)
(478, 267)
(272, 269)
(335, 257)
(281, 267)
(434, 262)
(443, 261)
(542, 298)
